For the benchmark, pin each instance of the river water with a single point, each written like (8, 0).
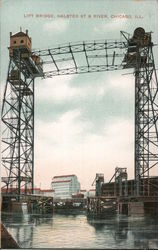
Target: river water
(76, 231)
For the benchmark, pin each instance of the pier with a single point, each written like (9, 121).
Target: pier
(34, 203)
(119, 197)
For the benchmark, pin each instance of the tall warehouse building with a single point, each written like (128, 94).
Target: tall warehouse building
(65, 185)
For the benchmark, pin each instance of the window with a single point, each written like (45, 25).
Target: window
(14, 42)
(22, 41)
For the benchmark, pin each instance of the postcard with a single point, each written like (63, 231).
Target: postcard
(79, 122)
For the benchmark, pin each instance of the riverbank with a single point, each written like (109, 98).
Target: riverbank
(7, 241)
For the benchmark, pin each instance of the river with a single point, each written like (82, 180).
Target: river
(76, 231)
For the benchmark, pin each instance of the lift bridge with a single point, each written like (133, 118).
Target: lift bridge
(132, 52)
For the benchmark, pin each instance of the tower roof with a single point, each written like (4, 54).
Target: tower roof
(61, 176)
(19, 34)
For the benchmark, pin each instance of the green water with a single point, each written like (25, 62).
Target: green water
(76, 231)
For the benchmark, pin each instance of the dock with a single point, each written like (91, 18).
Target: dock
(114, 197)
(34, 203)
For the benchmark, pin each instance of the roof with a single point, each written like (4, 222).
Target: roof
(29, 189)
(61, 181)
(22, 190)
(47, 190)
(83, 190)
(19, 34)
(60, 176)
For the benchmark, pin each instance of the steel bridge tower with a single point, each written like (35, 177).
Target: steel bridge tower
(18, 115)
(140, 56)
(146, 118)
(134, 52)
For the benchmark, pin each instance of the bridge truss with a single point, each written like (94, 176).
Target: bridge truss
(77, 58)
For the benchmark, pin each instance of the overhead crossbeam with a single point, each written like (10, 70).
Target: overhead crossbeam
(95, 56)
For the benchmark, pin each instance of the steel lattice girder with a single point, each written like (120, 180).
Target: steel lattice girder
(85, 57)
(18, 135)
(146, 118)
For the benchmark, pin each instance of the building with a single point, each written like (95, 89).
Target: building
(91, 193)
(78, 196)
(65, 186)
(47, 192)
(20, 40)
(36, 191)
(84, 192)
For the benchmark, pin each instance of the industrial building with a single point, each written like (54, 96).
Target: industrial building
(84, 192)
(91, 193)
(65, 186)
(36, 191)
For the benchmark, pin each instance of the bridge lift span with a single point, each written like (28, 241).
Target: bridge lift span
(25, 65)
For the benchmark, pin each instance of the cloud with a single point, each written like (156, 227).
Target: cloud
(61, 89)
(64, 88)
(56, 26)
(63, 147)
(117, 84)
(67, 129)
(67, 145)
(116, 140)
(123, 84)
(56, 89)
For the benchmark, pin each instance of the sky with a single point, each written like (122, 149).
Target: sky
(84, 124)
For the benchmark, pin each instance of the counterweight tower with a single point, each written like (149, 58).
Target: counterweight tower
(18, 114)
(140, 56)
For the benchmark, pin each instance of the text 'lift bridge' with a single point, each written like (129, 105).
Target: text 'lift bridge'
(18, 104)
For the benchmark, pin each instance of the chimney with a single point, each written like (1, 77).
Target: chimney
(10, 34)
(27, 32)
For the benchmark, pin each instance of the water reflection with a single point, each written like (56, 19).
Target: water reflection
(138, 233)
(22, 226)
(148, 237)
(76, 231)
